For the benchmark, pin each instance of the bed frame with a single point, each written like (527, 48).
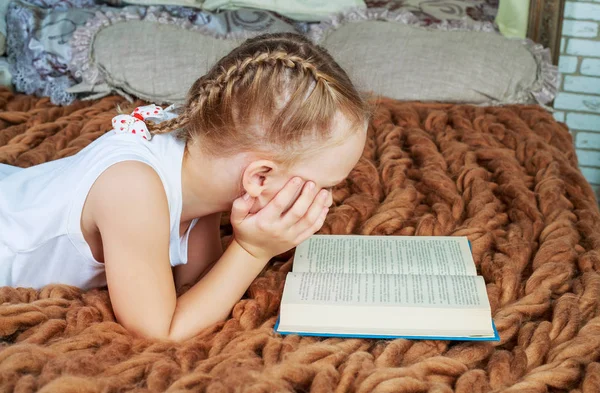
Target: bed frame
(545, 24)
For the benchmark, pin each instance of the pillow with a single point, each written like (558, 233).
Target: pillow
(5, 76)
(305, 10)
(38, 47)
(453, 11)
(183, 3)
(3, 11)
(301, 10)
(513, 17)
(384, 52)
(409, 62)
(157, 57)
(46, 4)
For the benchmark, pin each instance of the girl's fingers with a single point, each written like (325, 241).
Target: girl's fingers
(275, 208)
(314, 212)
(301, 206)
(316, 225)
(241, 208)
(329, 198)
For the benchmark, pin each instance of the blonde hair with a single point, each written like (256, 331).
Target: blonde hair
(269, 94)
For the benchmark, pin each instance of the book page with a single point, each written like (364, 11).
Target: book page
(385, 289)
(385, 255)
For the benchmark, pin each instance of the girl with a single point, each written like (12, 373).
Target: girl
(264, 134)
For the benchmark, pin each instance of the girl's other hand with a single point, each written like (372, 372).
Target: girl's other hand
(272, 230)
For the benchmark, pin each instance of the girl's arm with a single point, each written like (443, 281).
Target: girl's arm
(134, 226)
(204, 248)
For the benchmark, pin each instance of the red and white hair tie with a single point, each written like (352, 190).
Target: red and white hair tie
(136, 122)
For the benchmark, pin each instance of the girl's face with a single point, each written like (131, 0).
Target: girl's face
(326, 167)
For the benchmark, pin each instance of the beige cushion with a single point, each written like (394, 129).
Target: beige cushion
(157, 58)
(409, 63)
(159, 62)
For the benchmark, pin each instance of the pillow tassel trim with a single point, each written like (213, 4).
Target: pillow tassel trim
(317, 32)
(545, 87)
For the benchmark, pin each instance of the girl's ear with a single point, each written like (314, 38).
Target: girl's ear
(257, 176)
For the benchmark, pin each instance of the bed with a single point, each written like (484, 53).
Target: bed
(505, 176)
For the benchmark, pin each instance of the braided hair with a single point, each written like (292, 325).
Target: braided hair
(272, 92)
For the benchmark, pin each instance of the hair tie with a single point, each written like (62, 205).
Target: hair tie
(136, 122)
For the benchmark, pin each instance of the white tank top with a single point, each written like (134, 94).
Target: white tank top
(40, 211)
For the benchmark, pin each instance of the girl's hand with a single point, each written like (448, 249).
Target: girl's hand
(270, 231)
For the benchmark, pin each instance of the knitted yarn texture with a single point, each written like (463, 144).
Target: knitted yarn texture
(506, 177)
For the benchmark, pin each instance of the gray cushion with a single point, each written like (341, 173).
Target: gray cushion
(157, 58)
(408, 63)
(160, 70)
(159, 61)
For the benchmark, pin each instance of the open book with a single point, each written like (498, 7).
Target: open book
(386, 287)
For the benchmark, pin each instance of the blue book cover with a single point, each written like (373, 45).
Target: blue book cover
(391, 337)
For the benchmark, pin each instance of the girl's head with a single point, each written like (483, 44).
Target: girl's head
(286, 104)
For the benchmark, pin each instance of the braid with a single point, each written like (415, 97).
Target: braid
(169, 125)
(272, 58)
(212, 88)
(224, 81)
(251, 75)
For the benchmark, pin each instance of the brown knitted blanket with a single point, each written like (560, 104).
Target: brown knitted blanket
(506, 177)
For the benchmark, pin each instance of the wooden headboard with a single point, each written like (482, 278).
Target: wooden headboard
(545, 24)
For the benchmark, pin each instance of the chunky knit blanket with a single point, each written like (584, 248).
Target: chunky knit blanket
(506, 177)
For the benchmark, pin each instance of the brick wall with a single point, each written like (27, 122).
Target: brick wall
(578, 101)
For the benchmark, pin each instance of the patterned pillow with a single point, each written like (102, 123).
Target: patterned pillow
(302, 10)
(305, 10)
(38, 46)
(436, 11)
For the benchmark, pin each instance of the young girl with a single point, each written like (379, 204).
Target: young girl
(264, 134)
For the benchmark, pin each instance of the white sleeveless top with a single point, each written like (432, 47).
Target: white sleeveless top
(40, 211)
